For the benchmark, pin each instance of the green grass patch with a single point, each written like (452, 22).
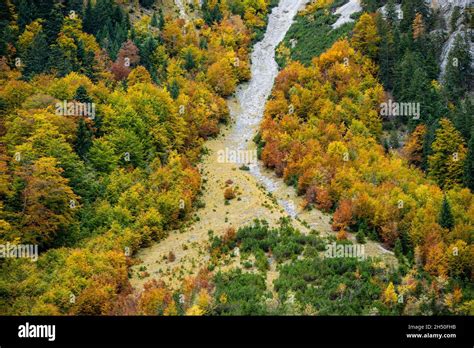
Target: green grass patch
(312, 35)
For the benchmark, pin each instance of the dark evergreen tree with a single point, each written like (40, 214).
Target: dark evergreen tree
(161, 19)
(360, 237)
(43, 8)
(81, 95)
(6, 17)
(74, 5)
(398, 249)
(458, 76)
(456, 14)
(189, 62)
(86, 60)
(371, 5)
(469, 164)
(385, 53)
(462, 117)
(84, 139)
(410, 8)
(391, 12)
(428, 52)
(59, 64)
(53, 24)
(154, 21)
(394, 142)
(89, 23)
(36, 57)
(403, 74)
(108, 23)
(211, 14)
(147, 3)
(430, 135)
(25, 11)
(406, 245)
(6, 11)
(446, 219)
(174, 89)
(146, 48)
(203, 43)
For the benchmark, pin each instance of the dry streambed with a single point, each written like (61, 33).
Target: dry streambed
(259, 193)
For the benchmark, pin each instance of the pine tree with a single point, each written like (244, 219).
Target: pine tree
(386, 53)
(418, 88)
(86, 60)
(428, 140)
(43, 8)
(25, 11)
(454, 18)
(462, 117)
(211, 14)
(391, 12)
(81, 95)
(394, 142)
(459, 75)
(360, 237)
(89, 24)
(404, 72)
(174, 89)
(469, 165)
(147, 3)
(161, 19)
(6, 12)
(398, 249)
(189, 62)
(36, 56)
(434, 106)
(53, 25)
(446, 219)
(370, 5)
(6, 17)
(74, 5)
(146, 48)
(61, 65)
(84, 139)
(154, 21)
(410, 8)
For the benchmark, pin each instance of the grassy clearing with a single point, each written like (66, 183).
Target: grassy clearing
(311, 35)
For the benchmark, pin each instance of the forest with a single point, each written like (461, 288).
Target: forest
(107, 109)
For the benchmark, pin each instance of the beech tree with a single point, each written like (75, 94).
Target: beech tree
(49, 202)
(128, 57)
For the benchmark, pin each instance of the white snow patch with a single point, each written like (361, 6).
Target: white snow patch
(182, 9)
(398, 10)
(346, 11)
